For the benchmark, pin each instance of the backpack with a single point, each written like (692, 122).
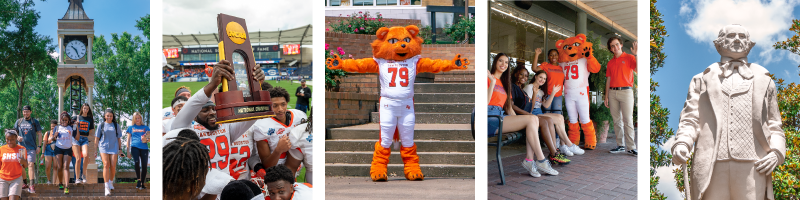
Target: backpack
(103, 131)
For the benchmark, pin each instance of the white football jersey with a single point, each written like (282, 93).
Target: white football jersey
(270, 130)
(576, 73)
(167, 112)
(302, 143)
(241, 151)
(217, 141)
(397, 77)
(302, 191)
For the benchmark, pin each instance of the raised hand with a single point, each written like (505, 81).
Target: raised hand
(634, 48)
(537, 51)
(333, 63)
(460, 62)
(555, 90)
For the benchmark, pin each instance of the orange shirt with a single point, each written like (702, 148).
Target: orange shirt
(555, 76)
(620, 70)
(11, 168)
(499, 94)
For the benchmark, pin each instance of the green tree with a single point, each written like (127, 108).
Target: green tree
(786, 177)
(23, 51)
(659, 129)
(122, 72)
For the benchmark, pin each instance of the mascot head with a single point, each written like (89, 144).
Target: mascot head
(574, 48)
(397, 43)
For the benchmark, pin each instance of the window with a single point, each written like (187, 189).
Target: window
(362, 3)
(386, 2)
(208, 56)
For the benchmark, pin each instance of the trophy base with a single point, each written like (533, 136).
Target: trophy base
(232, 107)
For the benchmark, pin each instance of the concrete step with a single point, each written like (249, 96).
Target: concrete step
(396, 170)
(45, 191)
(421, 132)
(422, 145)
(441, 107)
(444, 88)
(432, 118)
(444, 97)
(365, 157)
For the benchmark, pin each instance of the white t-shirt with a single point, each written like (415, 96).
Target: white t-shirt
(576, 74)
(64, 137)
(397, 77)
(270, 130)
(538, 98)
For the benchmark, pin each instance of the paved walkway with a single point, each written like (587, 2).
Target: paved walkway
(337, 187)
(597, 174)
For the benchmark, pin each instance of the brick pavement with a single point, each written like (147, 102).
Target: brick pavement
(597, 174)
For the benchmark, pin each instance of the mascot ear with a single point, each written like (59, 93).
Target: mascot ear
(382, 32)
(560, 43)
(413, 29)
(581, 37)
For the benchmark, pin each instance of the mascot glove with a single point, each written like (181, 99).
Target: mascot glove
(334, 62)
(460, 62)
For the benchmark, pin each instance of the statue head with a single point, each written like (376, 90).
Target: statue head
(733, 41)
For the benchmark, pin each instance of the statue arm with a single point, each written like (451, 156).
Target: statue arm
(690, 121)
(776, 137)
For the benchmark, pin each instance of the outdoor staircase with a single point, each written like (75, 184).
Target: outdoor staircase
(445, 144)
(123, 191)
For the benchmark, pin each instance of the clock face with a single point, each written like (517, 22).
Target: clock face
(75, 49)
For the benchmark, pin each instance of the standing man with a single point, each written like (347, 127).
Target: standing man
(28, 128)
(619, 99)
(303, 94)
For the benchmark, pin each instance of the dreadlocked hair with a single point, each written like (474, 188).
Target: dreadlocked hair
(279, 92)
(182, 87)
(189, 134)
(185, 168)
(277, 173)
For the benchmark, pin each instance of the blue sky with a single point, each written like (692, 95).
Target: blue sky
(109, 16)
(693, 24)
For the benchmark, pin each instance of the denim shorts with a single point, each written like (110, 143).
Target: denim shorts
(537, 111)
(555, 106)
(49, 151)
(493, 123)
(82, 142)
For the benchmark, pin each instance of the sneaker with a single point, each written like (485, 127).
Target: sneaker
(66, 190)
(619, 149)
(24, 186)
(559, 158)
(576, 150)
(138, 185)
(564, 149)
(60, 186)
(108, 192)
(48, 182)
(110, 185)
(528, 165)
(633, 152)
(31, 190)
(545, 167)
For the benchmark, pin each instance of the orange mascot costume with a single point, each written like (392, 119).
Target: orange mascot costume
(577, 61)
(397, 60)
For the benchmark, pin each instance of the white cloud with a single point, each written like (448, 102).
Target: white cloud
(200, 16)
(765, 20)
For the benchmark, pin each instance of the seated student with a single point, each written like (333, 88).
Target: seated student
(500, 103)
(241, 190)
(557, 120)
(524, 106)
(281, 185)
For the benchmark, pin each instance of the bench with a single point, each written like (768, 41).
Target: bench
(502, 140)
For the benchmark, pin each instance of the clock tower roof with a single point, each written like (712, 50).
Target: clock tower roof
(75, 10)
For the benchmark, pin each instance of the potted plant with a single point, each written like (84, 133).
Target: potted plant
(601, 116)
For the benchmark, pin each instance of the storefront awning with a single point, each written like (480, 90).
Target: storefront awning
(300, 35)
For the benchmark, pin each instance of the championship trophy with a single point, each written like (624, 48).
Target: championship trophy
(241, 99)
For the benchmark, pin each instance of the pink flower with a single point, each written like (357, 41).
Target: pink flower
(359, 12)
(326, 30)
(362, 28)
(326, 46)
(348, 26)
(341, 51)
(331, 53)
(350, 55)
(391, 20)
(348, 15)
(355, 31)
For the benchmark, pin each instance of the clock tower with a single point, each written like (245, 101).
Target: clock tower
(75, 76)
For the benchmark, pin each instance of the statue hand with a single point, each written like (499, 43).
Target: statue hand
(767, 163)
(680, 154)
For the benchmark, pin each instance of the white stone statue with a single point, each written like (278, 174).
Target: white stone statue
(731, 121)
